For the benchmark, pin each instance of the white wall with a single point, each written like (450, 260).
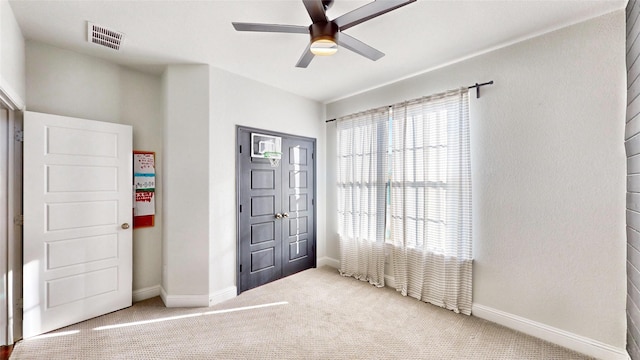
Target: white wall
(185, 273)
(63, 82)
(12, 56)
(236, 100)
(548, 171)
(141, 107)
(191, 252)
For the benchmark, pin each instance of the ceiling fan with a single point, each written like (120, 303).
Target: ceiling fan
(327, 34)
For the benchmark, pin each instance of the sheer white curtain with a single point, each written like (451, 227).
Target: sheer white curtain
(430, 207)
(362, 153)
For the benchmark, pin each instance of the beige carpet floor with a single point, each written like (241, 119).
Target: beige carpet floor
(316, 314)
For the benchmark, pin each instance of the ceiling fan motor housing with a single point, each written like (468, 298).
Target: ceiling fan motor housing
(324, 31)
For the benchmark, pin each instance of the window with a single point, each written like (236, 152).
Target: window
(361, 176)
(404, 182)
(418, 176)
(406, 147)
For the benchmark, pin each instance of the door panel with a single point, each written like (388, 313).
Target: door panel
(260, 246)
(77, 196)
(262, 205)
(270, 247)
(298, 169)
(75, 251)
(262, 232)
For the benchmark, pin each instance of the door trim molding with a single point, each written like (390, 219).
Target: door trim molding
(9, 98)
(240, 128)
(12, 244)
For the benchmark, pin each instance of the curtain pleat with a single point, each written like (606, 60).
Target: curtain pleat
(361, 194)
(431, 200)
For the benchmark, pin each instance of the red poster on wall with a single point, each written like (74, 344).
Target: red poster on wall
(144, 183)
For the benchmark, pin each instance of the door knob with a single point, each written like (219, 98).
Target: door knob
(278, 216)
(285, 215)
(125, 226)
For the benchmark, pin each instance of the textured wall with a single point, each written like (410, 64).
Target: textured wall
(632, 144)
(12, 56)
(548, 172)
(63, 82)
(186, 178)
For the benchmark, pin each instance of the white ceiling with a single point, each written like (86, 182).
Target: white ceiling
(420, 36)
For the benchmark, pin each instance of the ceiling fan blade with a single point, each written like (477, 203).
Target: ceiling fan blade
(315, 10)
(295, 29)
(358, 47)
(368, 12)
(306, 58)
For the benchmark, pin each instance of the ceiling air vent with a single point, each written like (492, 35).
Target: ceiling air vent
(101, 35)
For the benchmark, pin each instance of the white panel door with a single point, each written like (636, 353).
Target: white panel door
(77, 211)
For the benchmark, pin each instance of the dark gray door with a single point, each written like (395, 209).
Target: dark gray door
(276, 214)
(298, 203)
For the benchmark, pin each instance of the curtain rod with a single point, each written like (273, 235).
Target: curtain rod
(475, 86)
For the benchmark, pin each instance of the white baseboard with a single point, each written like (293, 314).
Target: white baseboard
(557, 336)
(327, 261)
(146, 293)
(183, 300)
(197, 300)
(223, 295)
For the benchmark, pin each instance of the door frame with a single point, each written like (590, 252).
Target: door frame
(11, 246)
(239, 129)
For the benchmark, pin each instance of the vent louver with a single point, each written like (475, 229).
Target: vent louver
(103, 36)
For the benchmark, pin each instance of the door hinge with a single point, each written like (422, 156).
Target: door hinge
(313, 202)
(240, 267)
(240, 208)
(18, 220)
(19, 135)
(20, 303)
(311, 156)
(240, 149)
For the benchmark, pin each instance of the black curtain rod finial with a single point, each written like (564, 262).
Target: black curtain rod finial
(477, 87)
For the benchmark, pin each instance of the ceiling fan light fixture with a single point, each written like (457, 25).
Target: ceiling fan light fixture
(323, 38)
(324, 47)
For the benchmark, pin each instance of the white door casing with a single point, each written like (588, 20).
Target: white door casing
(5, 225)
(10, 225)
(77, 200)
